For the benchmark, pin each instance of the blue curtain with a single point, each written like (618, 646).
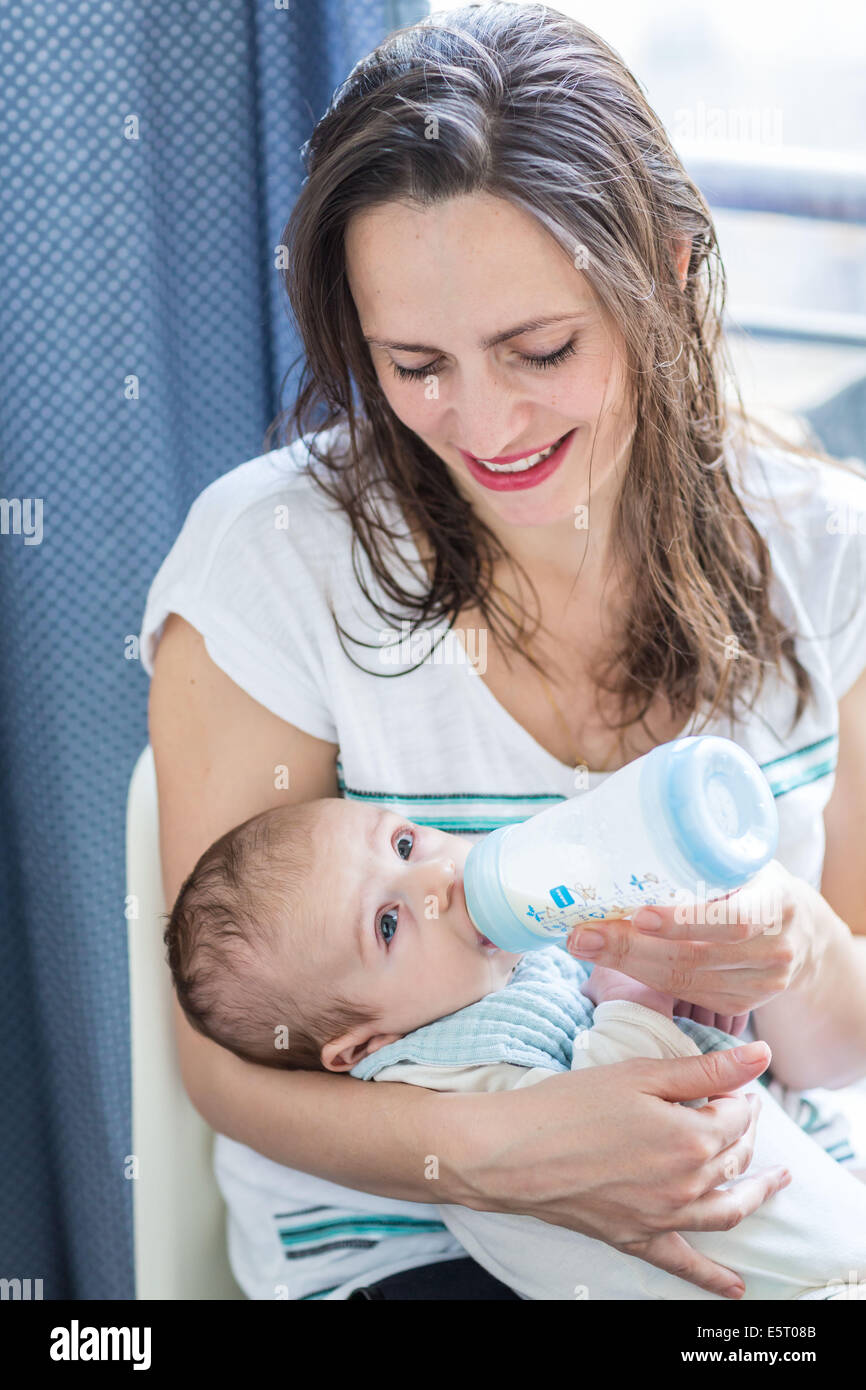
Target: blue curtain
(151, 158)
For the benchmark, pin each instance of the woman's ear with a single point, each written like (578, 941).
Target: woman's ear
(682, 255)
(345, 1052)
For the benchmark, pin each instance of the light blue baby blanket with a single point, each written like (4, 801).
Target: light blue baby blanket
(532, 1022)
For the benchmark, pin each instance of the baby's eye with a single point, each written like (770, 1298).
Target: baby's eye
(404, 834)
(388, 926)
(388, 921)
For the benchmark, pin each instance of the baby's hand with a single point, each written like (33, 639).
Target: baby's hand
(605, 984)
(729, 1023)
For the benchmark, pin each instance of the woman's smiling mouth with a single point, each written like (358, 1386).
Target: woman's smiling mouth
(517, 471)
(521, 461)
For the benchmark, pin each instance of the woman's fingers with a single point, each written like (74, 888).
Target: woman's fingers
(722, 920)
(718, 1209)
(753, 910)
(732, 1162)
(720, 977)
(714, 1075)
(674, 1254)
(618, 946)
(723, 1208)
(729, 966)
(678, 924)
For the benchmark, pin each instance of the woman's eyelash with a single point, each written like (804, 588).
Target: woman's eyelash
(390, 912)
(552, 359)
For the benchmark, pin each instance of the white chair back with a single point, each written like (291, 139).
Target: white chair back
(179, 1216)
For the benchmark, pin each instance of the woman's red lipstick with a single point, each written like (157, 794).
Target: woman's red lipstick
(516, 482)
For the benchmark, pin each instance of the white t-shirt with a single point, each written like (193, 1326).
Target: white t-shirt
(260, 556)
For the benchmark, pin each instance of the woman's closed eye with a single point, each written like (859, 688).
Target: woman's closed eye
(552, 359)
(386, 925)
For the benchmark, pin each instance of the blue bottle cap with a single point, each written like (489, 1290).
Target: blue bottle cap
(717, 805)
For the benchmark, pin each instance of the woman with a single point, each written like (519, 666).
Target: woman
(497, 253)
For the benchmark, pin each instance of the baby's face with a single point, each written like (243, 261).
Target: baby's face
(397, 936)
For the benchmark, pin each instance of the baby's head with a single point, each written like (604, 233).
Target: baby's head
(313, 934)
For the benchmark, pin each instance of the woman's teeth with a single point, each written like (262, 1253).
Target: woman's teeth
(522, 464)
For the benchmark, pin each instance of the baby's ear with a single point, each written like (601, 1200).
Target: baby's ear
(345, 1052)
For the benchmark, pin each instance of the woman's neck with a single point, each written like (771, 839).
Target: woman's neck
(575, 568)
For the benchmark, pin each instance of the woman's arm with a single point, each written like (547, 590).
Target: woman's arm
(321, 1123)
(217, 752)
(817, 1029)
(607, 1152)
(843, 881)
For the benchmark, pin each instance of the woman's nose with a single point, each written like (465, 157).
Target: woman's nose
(482, 423)
(485, 442)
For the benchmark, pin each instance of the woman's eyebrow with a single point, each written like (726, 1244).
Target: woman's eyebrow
(529, 326)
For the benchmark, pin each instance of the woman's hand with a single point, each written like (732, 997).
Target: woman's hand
(604, 1151)
(727, 957)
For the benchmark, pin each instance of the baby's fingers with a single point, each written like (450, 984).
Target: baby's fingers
(709, 1018)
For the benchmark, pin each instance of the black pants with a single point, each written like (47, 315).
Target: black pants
(451, 1279)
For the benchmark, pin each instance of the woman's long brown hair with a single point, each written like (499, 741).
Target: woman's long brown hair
(535, 108)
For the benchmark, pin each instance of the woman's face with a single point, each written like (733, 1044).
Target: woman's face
(430, 286)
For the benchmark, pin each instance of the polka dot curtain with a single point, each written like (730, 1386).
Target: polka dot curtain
(149, 157)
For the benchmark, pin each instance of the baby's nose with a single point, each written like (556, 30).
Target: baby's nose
(442, 886)
(451, 869)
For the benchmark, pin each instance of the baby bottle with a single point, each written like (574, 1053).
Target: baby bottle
(691, 820)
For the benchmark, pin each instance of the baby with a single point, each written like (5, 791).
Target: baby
(334, 935)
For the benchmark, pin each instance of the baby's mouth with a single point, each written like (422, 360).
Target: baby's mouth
(483, 941)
